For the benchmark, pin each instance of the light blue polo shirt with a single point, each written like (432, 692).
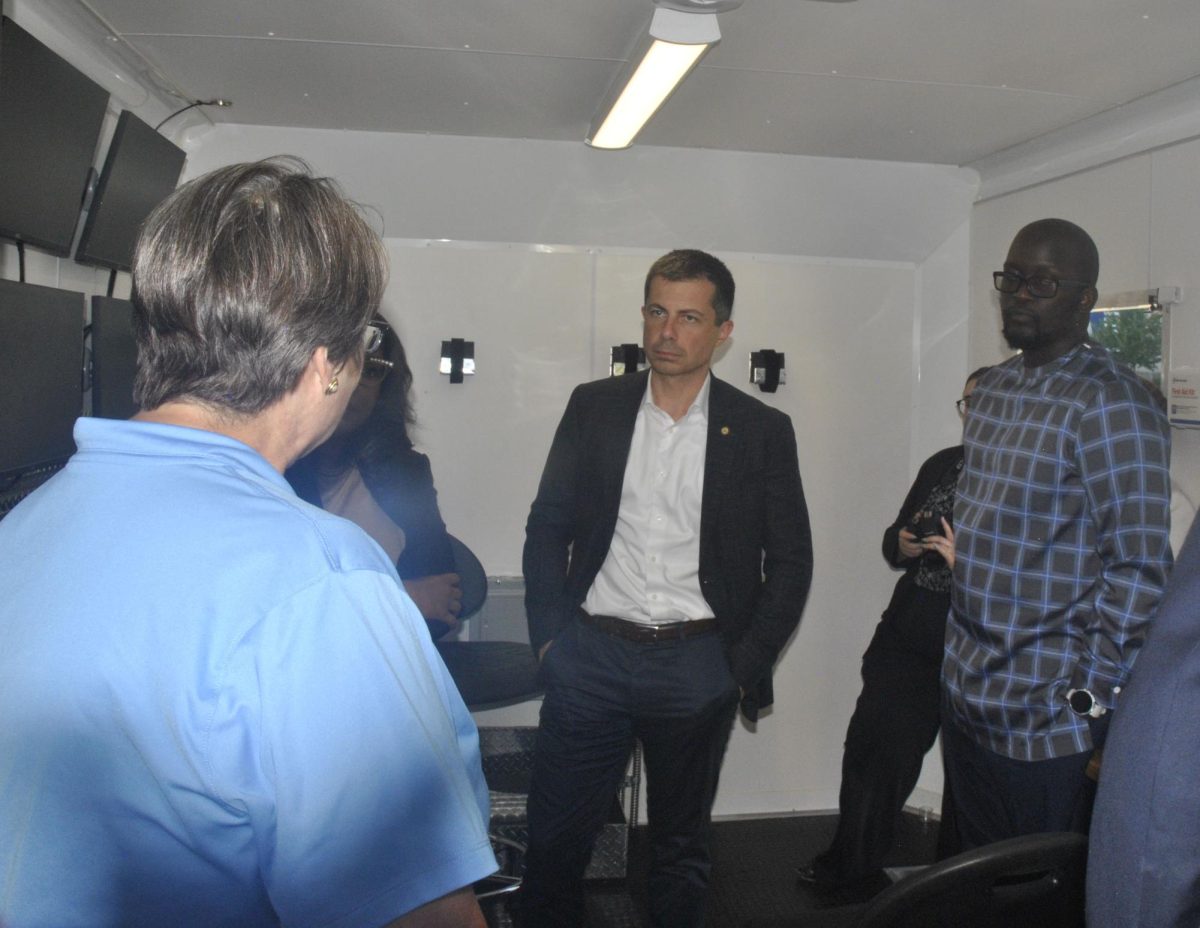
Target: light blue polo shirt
(217, 704)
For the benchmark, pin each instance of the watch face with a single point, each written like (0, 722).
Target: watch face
(1081, 701)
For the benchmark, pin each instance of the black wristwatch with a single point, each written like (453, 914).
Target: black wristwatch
(1084, 704)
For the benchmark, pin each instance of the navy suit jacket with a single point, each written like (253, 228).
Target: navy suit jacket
(755, 543)
(1144, 852)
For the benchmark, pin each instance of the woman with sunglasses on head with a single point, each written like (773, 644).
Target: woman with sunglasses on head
(369, 472)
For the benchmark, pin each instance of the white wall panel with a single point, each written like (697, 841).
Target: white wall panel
(941, 347)
(1175, 262)
(512, 190)
(529, 314)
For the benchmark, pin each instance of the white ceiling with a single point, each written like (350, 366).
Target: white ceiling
(938, 81)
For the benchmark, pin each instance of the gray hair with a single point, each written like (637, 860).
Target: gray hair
(240, 275)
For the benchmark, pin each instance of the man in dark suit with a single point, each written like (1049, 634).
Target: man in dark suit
(667, 560)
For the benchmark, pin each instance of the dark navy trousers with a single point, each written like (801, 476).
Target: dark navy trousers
(993, 797)
(679, 699)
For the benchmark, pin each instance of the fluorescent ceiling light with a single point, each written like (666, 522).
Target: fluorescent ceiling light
(675, 43)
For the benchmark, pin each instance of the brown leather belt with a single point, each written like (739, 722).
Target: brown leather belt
(647, 634)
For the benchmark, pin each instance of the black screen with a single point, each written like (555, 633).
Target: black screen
(50, 118)
(114, 358)
(140, 170)
(41, 353)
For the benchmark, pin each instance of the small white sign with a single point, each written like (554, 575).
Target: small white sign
(1183, 397)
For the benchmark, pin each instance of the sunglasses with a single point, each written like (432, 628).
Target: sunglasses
(376, 369)
(372, 338)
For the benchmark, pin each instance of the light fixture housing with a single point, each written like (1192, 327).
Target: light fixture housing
(767, 369)
(458, 358)
(676, 41)
(626, 358)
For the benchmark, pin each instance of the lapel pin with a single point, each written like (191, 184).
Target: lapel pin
(724, 430)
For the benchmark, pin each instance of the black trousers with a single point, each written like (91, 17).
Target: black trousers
(894, 724)
(678, 698)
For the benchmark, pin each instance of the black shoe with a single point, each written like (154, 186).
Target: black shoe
(816, 873)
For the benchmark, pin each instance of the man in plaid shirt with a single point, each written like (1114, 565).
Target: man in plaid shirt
(1061, 551)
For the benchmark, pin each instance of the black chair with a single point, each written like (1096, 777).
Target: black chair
(488, 674)
(472, 579)
(1033, 880)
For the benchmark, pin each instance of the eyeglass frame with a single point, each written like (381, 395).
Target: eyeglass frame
(376, 364)
(1026, 282)
(962, 404)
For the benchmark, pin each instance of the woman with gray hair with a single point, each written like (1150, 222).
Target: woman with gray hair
(235, 715)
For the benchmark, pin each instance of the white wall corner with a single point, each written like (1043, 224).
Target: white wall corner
(1163, 118)
(940, 331)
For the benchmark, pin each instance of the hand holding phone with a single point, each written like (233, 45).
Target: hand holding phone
(925, 524)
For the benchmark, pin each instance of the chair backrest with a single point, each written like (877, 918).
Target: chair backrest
(473, 580)
(1033, 880)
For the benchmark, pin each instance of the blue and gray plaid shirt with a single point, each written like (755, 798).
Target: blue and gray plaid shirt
(1061, 548)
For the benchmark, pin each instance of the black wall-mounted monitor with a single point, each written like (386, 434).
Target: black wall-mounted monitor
(50, 119)
(114, 358)
(140, 170)
(41, 354)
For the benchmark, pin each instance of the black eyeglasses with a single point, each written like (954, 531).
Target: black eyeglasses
(1041, 287)
(963, 405)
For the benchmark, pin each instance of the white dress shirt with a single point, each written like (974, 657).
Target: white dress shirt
(652, 572)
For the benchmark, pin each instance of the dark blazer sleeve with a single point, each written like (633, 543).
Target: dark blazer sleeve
(550, 531)
(769, 516)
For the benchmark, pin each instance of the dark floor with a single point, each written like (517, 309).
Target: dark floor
(754, 878)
